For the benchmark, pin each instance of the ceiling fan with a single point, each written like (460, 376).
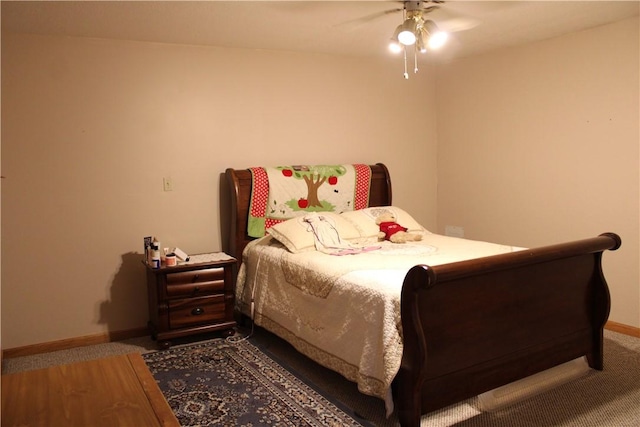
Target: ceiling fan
(418, 30)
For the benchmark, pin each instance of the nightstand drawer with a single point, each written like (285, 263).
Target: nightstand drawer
(195, 276)
(194, 311)
(191, 284)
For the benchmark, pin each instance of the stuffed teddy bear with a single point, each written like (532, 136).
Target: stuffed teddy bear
(394, 232)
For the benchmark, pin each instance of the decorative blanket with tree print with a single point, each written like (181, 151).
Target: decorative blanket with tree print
(283, 192)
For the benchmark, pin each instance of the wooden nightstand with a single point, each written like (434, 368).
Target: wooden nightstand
(191, 298)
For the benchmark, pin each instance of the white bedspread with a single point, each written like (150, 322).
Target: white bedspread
(343, 312)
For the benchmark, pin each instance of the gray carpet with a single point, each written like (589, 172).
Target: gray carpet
(598, 399)
(608, 398)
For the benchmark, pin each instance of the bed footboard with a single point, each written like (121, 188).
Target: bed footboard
(475, 325)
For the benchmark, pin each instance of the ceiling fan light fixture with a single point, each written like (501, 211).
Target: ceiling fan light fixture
(407, 34)
(422, 41)
(395, 46)
(437, 38)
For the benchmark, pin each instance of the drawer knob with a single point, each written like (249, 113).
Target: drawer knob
(197, 311)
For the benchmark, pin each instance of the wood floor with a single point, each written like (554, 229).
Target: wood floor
(110, 392)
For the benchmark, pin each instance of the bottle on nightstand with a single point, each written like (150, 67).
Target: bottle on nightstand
(155, 255)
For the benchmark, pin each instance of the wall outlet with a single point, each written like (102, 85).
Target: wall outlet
(453, 231)
(167, 184)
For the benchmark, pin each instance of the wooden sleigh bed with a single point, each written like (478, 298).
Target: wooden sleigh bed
(471, 326)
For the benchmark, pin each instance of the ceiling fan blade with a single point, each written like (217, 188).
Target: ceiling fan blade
(477, 8)
(368, 18)
(458, 24)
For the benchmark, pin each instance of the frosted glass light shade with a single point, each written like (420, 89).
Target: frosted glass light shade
(407, 35)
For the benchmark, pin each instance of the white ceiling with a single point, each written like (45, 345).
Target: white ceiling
(327, 27)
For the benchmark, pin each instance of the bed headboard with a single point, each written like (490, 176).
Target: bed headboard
(239, 188)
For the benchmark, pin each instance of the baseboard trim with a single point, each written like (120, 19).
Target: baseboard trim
(69, 343)
(623, 329)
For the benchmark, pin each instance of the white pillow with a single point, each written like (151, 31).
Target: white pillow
(297, 235)
(364, 220)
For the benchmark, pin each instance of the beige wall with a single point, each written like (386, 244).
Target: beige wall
(535, 145)
(539, 144)
(90, 128)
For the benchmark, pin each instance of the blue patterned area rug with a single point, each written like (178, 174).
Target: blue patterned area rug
(226, 383)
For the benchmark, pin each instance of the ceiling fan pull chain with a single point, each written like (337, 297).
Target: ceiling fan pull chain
(415, 60)
(406, 75)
